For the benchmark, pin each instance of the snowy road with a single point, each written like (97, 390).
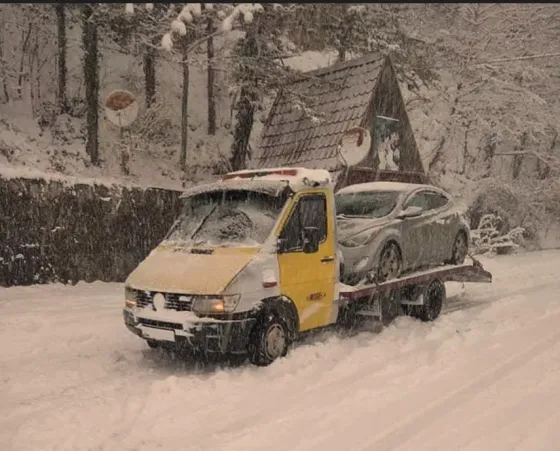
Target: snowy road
(485, 376)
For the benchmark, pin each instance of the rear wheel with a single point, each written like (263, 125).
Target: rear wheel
(390, 263)
(269, 341)
(434, 298)
(460, 249)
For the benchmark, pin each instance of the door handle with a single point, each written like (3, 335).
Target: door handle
(327, 259)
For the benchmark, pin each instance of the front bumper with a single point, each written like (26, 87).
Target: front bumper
(228, 336)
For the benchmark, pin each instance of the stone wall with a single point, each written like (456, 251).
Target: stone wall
(53, 231)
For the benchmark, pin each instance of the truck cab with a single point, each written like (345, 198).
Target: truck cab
(250, 264)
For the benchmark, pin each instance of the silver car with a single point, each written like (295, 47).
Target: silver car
(386, 229)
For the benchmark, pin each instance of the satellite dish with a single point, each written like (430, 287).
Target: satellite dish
(354, 145)
(121, 108)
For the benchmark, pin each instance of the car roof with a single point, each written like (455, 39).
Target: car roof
(386, 186)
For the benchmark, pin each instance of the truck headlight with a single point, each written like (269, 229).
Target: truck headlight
(129, 297)
(215, 304)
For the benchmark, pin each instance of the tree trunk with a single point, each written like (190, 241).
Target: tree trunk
(61, 36)
(243, 127)
(246, 102)
(184, 114)
(4, 72)
(25, 36)
(149, 75)
(211, 97)
(91, 76)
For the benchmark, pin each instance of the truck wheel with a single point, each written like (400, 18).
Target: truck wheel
(434, 297)
(390, 263)
(153, 344)
(460, 249)
(269, 340)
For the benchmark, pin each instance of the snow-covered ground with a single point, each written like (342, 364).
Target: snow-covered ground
(482, 377)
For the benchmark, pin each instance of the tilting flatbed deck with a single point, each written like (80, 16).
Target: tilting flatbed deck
(472, 273)
(415, 291)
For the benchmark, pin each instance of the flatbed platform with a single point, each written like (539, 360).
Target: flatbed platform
(468, 273)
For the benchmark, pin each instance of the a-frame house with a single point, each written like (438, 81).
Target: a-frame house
(310, 115)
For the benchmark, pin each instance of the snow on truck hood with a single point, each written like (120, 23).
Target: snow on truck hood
(177, 270)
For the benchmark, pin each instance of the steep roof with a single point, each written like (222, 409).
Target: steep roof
(339, 93)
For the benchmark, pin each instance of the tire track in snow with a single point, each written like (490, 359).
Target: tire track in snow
(338, 387)
(413, 424)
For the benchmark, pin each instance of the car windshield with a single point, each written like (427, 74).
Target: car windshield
(366, 204)
(226, 218)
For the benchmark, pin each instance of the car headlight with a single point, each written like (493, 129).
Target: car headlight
(215, 304)
(129, 297)
(358, 240)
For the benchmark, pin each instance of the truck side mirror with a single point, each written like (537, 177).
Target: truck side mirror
(310, 240)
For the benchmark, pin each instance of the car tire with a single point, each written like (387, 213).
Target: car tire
(270, 339)
(390, 263)
(460, 249)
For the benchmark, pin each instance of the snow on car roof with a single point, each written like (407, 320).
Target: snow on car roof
(383, 186)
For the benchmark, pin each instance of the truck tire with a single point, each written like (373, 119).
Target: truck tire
(434, 298)
(269, 340)
(153, 344)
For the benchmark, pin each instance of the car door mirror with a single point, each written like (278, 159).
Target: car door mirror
(310, 240)
(410, 212)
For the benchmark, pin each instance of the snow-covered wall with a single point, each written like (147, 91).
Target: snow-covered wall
(56, 231)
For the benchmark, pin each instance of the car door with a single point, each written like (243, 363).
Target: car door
(442, 225)
(416, 232)
(309, 279)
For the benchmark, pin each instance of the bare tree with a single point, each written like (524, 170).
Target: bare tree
(91, 76)
(210, 82)
(62, 72)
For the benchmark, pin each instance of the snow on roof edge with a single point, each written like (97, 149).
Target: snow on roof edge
(10, 173)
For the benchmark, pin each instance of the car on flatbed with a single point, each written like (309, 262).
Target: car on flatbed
(252, 264)
(386, 229)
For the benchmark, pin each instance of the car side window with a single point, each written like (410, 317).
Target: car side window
(437, 200)
(310, 211)
(418, 200)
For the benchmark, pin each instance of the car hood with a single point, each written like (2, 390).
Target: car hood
(179, 270)
(349, 227)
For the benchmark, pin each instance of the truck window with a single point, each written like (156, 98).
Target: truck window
(310, 211)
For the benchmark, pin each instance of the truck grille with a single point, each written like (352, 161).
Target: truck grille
(173, 301)
(160, 324)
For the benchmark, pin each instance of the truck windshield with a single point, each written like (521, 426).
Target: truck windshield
(226, 218)
(366, 204)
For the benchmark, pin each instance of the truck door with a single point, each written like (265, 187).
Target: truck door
(308, 279)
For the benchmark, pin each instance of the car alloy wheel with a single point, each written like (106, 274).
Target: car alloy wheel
(460, 249)
(389, 263)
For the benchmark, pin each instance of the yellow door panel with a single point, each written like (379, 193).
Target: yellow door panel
(308, 279)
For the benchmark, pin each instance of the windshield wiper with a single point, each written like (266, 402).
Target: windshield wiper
(203, 221)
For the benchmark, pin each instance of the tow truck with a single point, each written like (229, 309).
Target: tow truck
(251, 265)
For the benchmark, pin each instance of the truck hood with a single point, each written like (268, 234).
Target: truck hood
(178, 270)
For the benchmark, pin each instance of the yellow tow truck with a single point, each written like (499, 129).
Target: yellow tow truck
(251, 265)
